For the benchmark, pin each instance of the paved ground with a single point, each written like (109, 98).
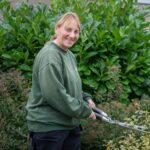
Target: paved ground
(30, 1)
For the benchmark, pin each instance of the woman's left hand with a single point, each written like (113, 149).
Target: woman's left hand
(91, 103)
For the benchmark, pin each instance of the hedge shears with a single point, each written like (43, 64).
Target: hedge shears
(101, 115)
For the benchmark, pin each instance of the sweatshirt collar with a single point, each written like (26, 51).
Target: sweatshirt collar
(58, 47)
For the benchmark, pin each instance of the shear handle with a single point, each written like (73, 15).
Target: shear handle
(99, 111)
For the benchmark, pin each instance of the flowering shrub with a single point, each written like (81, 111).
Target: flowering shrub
(99, 135)
(133, 140)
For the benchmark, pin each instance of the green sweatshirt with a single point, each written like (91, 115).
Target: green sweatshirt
(56, 98)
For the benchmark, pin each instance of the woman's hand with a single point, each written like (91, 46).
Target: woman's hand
(91, 103)
(92, 116)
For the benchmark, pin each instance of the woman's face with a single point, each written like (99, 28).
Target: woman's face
(67, 34)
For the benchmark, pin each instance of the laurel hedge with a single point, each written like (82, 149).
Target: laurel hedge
(113, 51)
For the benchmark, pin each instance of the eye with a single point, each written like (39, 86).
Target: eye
(76, 31)
(68, 29)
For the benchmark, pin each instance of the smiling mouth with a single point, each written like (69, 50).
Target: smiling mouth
(70, 41)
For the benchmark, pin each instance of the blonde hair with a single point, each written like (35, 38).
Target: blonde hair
(65, 18)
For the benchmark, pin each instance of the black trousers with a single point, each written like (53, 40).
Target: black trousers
(56, 140)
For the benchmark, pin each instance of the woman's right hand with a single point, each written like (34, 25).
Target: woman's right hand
(92, 116)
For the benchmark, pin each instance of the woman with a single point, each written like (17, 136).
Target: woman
(56, 102)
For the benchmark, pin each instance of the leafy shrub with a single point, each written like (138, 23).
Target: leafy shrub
(116, 48)
(112, 39)
(23, 32)
(112, 52)
(13, 97)
(99, 135)
(96, 134)
(132, 140)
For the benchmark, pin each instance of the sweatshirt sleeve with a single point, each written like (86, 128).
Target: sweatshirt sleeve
(54, 92)
(86, 96)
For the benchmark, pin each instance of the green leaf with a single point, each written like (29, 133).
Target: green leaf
(25, 67)
(87, 72)
(7, 56)
(87, 46)
(91, 54)
(102, 88)
(82, 68)
(91, 83)
(94, 70)
(125, 82)
(110, 85)
(130, 67)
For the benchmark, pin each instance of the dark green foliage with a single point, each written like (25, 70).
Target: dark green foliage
(113, 51)
(23, 32)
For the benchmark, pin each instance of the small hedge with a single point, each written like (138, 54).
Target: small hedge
(99, 135)
(13, 97)
(131, 140)
(14, 89)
